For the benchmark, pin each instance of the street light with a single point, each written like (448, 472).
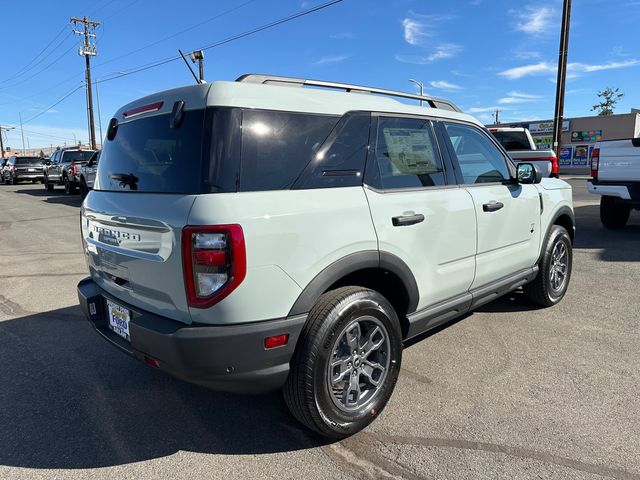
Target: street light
(420, 84)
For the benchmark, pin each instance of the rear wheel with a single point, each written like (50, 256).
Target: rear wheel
(69, 188)
(554, 270)
(614, 214)
(346, 363)
(14, 181)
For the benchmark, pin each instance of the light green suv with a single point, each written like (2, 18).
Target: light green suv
(280, 233)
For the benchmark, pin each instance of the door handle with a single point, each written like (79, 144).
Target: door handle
(406, 220)
(492, 206)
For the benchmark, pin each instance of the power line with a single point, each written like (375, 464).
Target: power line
(227, 40)
(169, 37)
(19, 72)
(53, 105)
(121, 10)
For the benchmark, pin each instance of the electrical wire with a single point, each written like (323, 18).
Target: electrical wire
(227, 40)
(169, 37)
(67, 95)
(25, 67)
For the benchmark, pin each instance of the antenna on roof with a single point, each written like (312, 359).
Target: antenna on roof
(189, 67)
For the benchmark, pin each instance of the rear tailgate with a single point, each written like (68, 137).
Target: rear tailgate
(146, 183)
(619, 161)
(133, 249)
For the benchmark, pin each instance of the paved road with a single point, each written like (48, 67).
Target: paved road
(507, 392)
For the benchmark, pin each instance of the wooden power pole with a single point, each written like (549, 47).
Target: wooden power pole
(563, 54)
(88, 50)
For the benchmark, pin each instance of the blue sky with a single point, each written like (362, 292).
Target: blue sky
(481, 54)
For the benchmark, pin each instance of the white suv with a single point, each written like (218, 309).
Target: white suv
(259, 234)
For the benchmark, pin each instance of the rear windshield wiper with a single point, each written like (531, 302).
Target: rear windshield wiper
(126, 179)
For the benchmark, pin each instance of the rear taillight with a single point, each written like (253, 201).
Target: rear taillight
(13, 168)
(214, 262)
(555, 168)
(595, 163)
(72, 170)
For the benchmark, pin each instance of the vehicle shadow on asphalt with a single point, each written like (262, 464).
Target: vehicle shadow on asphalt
(616, 245)
(57, 197)
(69, 400)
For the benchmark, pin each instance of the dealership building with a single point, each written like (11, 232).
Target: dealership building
(579, 136)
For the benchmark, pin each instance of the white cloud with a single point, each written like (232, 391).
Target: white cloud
(540, 68)
(332, 59)
(444, 85)
(439, 52)
(518, 97)
(535, 20)
(483, 109)
(417, 27)
(574, 69)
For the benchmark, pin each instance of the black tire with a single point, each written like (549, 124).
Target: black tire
(613, 213)
(542, 290)
(14, 181)
(307, 392)
(48, 185)
(84, 190)
(69, 188)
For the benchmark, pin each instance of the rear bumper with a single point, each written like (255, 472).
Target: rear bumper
(623, 190)
(228, 358)
(20, 177)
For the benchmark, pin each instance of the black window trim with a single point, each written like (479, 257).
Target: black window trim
(371, 162)
(454, 159)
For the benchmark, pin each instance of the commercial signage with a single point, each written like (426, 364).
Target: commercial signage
(566, 154)
(581, 155)
(547, 127)
(586, 136)
(543, 143)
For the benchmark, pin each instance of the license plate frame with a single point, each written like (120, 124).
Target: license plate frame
(119, 318)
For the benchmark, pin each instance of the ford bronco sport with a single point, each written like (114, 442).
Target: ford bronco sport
(258, 235)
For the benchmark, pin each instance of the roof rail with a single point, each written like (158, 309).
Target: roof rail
(433, 102)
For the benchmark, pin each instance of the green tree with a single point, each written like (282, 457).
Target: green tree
(608, 100)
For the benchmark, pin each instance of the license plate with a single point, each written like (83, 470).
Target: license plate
(119, 318)
(32, 169)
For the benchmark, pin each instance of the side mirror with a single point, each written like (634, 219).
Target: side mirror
(528, 174)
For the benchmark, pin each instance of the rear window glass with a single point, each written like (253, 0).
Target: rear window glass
(277, 146)
(513, 140)
(29, 161)
(147, 155)
(77, 156)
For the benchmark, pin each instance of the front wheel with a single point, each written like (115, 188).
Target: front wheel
(48, 185)
(346, 363)
(554, 269)
(84, 190)
(14, 181)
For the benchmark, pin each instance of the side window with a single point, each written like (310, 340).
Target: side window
(406, 154)
(54, 157)
(276, 147)
(340, 161)
(479, 158)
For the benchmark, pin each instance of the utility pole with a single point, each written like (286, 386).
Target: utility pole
(420, 85)
(21, 131)
(497, 116)
(1, 143)
(563, 53)
(88, 50)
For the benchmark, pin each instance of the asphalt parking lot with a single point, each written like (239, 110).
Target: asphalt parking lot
(506, 392)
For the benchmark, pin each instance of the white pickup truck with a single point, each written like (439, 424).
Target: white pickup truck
(615, 175)
(519, 144)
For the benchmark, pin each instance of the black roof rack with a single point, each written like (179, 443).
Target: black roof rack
(433, 102)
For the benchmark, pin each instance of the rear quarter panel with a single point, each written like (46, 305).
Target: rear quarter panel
(290, 236)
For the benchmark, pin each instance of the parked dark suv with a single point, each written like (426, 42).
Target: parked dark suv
(64, 169)
(19, 169)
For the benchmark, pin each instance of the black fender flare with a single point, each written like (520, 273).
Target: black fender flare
(350, 264)
(564, 210)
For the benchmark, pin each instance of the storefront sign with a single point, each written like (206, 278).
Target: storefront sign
(581, 155)
(566, 153)
(543, 143)
(547, 127)
(586, 136)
